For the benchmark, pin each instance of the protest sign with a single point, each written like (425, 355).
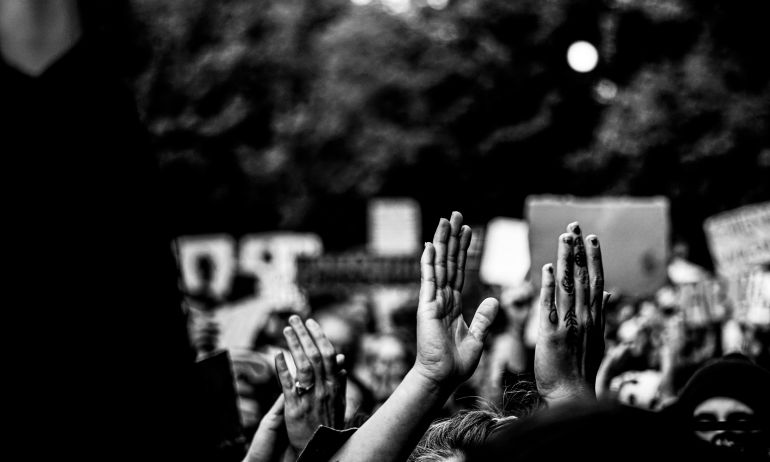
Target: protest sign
(394, 226)
(634, 235)
(505, 259)
(739, 240)
(219, 249)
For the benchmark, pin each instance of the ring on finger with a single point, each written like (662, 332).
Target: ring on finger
(300, 389)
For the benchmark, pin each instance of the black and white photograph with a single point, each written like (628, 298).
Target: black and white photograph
(385, 230)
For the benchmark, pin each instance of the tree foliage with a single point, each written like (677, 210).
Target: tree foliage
(291, 114)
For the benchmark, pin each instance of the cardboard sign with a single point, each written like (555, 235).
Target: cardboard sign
(506, 258)
(272, 258)
(739, 240)
(633, 233)
(394, 226)
(750, 297)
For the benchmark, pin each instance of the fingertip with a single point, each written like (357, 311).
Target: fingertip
(491, 302)
(574, 227)
(593, 240)
(280, 361)
(566, 238)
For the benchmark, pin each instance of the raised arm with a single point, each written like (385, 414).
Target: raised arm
(448, 351)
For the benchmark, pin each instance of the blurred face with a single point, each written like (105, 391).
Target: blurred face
(389, 366)
(340, 333)
(724, 422)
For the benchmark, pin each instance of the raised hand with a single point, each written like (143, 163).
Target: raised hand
(316, 395)
(570, 343)
(265, 444)
(448, 350)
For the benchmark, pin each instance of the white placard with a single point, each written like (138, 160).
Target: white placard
(394, 226)
(505, 260)
(739, 240)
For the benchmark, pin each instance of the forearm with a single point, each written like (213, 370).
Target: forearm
(395, 429)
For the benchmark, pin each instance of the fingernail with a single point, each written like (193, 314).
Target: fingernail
(576, 228)
(549, 268)
(566, 238)
(594, 241)
(294, 319)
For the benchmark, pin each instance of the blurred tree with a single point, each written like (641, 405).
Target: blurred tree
(291, 114)
(691, 119)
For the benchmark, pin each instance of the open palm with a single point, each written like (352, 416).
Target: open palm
(448, 350)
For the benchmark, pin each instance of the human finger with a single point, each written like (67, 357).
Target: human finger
(566, 283)
(311, 350)
(465, 242)
(304, 368)
(440, 239)
(325, 347)
(284, 377)
(580, 273)
(595, 279)
(428, 274)
(549, 318)
(453, 247)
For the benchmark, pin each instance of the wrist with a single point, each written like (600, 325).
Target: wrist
(569, 394)
(421, 382)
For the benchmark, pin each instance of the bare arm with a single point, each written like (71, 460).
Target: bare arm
(448, 351)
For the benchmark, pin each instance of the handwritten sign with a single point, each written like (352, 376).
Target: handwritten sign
(739, 240)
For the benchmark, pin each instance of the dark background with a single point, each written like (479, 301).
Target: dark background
(291, 114)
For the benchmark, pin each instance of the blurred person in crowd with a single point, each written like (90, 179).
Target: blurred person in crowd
(681, 270)
(725, 403)
(384, 363)
(85, 190)
(205, 299)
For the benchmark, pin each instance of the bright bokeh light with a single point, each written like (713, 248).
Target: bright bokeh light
(582, 56)
(361, 2)
(438, 4)
(606, 90)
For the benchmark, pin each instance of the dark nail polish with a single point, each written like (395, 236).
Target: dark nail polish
(550, 269)
(576, 229)
(594, 241)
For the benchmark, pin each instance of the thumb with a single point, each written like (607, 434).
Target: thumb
(482, 320)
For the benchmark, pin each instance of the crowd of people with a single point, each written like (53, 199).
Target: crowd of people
(437, 389)
(609, 377)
